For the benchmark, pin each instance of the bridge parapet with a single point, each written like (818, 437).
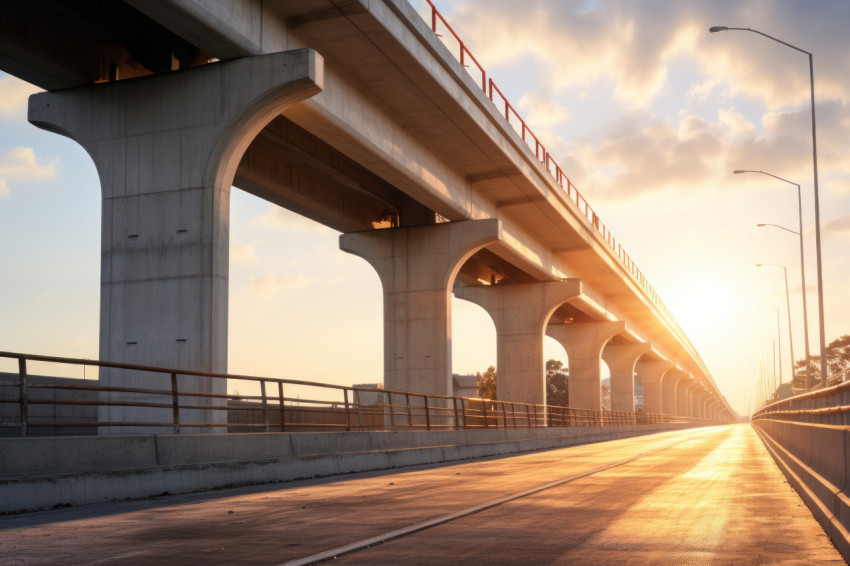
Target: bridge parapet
(809, 438)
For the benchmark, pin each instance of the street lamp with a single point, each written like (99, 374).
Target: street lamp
(823, 366)
(788, 306)
(779, 340)
(802, 263)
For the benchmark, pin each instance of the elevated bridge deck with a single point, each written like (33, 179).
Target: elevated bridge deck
(709, 495)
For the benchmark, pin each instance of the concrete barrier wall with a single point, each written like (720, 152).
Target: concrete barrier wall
(43, 472)
(815, 459)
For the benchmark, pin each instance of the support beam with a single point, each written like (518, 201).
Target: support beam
(621, 360)
(166, 148)
(651, 374)
(417, 267)
(583, 343)
(520, 313)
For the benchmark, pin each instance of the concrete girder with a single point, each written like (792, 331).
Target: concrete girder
(417, 267)
(651, 374)
(584, 342)
(621, 360)
(166, 148)
(520, 314)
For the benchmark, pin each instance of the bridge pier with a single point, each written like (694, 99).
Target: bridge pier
(651, 373)
(621, 360)
(682, 386)
(696, 394)
(584, 342)
(417, 267)
(520, 313)
(166, 148)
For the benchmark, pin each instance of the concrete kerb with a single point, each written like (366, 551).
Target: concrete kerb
(36, 474)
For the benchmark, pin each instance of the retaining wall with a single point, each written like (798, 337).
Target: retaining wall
(43, 472)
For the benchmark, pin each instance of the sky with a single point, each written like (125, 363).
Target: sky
(646, 112)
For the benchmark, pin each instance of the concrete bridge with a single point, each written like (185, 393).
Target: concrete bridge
(355, 114)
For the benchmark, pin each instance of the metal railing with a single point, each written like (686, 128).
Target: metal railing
(545, 158)
(830, 405)
(273, 406)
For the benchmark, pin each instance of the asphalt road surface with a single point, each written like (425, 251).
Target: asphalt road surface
(701, 496)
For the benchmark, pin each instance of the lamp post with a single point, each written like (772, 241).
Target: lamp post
(823, 366)
(779, 340)
(802, 263)
(788, 307)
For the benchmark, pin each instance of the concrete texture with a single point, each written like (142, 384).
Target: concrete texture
(651, 373)
(166, 149)
(815, 460)
(520, 314)
(584, 342)
(621, 360)
(43, 472)
(417, 267)
(701, 496)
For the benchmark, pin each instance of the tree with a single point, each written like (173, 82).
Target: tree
(557, 384)
(487, 383)
(837, 360)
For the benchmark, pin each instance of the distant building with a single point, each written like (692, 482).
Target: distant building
(465, 385)
(369, 397)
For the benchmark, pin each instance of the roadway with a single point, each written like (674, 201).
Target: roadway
(706, 496)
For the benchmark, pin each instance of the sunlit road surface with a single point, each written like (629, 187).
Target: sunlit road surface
(704, 496)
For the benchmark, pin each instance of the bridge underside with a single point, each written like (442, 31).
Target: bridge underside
(358, 120)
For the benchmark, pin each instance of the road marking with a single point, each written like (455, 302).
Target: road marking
(372, 541)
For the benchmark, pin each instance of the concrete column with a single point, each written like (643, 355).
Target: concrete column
(417, 267)
(683, 387)
(520, 313)
(584, 342)
(621, 360)
(704, 407)
(669, 384)
(166, 148)
(651, 373)
(693, 400)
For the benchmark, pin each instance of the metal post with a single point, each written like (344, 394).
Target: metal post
(359, 410)
(22, 396)
(282, 410)
(427, 414)
(409, 412)
(484, 405)
(463, 411)
(265, 405)
(392, 413)
(347, 414)
(454, 406)
(175, 403)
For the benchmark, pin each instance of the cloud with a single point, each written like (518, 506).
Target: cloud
(242, 253)
(21, 165)
(13, 96)
(839, 226)
(282, 219)
(268, 284)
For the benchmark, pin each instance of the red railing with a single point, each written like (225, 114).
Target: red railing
(545, 158)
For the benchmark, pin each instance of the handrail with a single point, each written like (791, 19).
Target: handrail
(823, 406)
(168, 406)
(564, 182)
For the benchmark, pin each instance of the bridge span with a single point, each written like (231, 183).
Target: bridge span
(697, 496)
(354, 114)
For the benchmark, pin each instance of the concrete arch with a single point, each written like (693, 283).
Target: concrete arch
(166, 148)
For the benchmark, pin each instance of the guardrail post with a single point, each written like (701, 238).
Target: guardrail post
(359, 409)
(463, 412)
(392, 414)
(427, 414)
(175, 403)
(347, 414)
(534, 408)
(409, 412)
(528, 415)
(265, 405)
(504, 416)
(454, 405)
(484, 406)
(282, 409)
(22, 396)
